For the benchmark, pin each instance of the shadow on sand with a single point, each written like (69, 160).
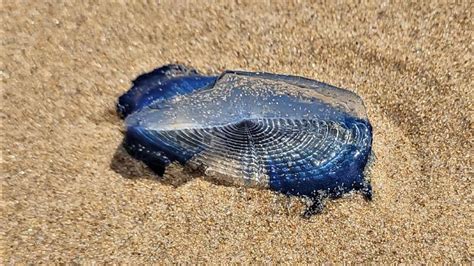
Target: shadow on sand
(130, 168)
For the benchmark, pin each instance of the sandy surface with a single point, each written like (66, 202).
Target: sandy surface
(69, 193)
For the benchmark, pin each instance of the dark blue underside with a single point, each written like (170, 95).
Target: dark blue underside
(162, 83)
(338, 176)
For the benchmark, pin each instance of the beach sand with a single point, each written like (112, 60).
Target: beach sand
(70, 193)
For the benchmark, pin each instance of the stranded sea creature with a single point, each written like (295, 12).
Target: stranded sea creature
(286, 133)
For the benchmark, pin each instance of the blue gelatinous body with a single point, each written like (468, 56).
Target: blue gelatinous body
(162, 83)
(286, 133)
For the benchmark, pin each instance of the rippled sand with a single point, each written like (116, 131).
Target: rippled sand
(70, 193)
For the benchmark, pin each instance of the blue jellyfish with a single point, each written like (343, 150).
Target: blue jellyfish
(285, 133)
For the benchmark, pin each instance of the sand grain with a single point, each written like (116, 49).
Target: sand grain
(70, 194)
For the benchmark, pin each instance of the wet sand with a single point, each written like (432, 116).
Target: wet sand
(70, 193)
